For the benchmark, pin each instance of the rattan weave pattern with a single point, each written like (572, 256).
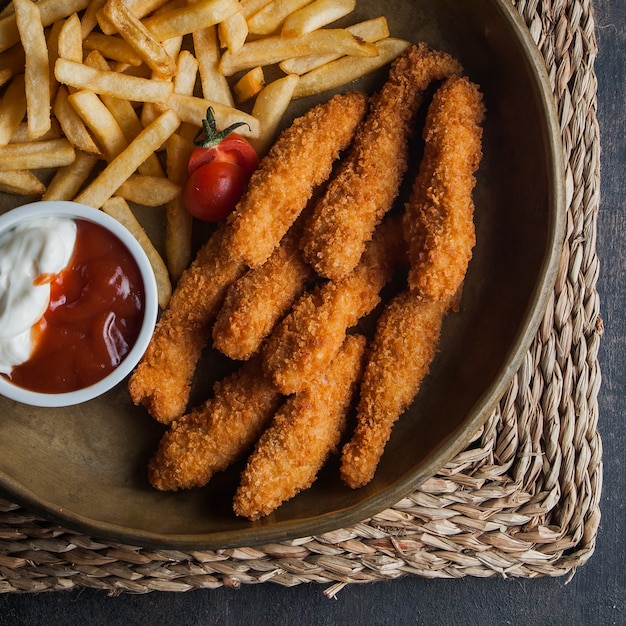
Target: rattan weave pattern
(521, 501)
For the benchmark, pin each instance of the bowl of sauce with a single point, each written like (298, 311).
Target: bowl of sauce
(78, 303)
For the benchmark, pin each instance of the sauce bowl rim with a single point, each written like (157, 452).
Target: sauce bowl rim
(75, 210)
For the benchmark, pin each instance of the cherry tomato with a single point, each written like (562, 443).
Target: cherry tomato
(219, 170)
(214, 189)
(233, 149)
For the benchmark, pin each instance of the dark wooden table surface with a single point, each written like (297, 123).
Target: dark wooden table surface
(596, 594)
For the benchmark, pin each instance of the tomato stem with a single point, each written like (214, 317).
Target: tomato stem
(208, 136)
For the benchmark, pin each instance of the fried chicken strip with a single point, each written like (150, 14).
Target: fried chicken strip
(300, 160)
(306, 429)
(259, 299)
(404, 345)
(438, 222)
(438, 226)
(217, 433)
(308, 338)
(162, 380)
(368, 180)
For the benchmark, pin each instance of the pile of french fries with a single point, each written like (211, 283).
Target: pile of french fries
(110, 93)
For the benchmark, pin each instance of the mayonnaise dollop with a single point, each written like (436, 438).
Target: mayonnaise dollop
(41, 246)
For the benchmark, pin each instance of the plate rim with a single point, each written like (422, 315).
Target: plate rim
(454, 443)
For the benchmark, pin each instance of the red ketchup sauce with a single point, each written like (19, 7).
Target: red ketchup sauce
(93, 319)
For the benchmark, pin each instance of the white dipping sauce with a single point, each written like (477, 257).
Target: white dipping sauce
(36, 248)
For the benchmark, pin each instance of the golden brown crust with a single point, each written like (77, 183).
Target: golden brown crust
(256, 302)
(301, 159)
(400, 355)
(162, 380)
(217, 433)
(306, 429)
(438, 222)
(308, 338)
(369, 178)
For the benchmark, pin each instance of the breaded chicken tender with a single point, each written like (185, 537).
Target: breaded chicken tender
(259, 299)
(438, 222)
(162, 380)
(306, 429)
(301, 159)
(216, 434)
(307, 339)
(369, 178)
(402, 350)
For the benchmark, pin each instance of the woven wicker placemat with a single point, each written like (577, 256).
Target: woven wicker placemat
(520, 501)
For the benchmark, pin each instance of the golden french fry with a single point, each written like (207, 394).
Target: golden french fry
(270, 18)
(233, 31)
(148, 190)
(179, 222)
(116, 172)
(370, 30)
(35, 155)
(126, 116)
(270, 50)
(192, 110)
(213, 82)
(250, 7)
(347, 69)
(268, 109)
(132, 30)
(111, 83)
(12, 109)
(70, 41)
(21, 134)
(112, 47)
(50, 10)
(52, 41)
(99, 120)
(89, 20)
(72, 125)
(173, 46)
(186, 74)
(250, 84)
(21, 182)
(139, 8)
(187, 19)
(118, 208)
(37, 70)
(315, 15)
(68, 180)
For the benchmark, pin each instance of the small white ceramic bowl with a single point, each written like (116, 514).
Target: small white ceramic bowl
(75, 210)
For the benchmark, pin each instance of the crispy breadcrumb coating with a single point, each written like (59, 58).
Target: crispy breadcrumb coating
(306, 429)
(162, 380)
(301, 159)
(259, 299)
(308, 338)
(438, 221)
(369, 178)
(399, 358)
(217, 433)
